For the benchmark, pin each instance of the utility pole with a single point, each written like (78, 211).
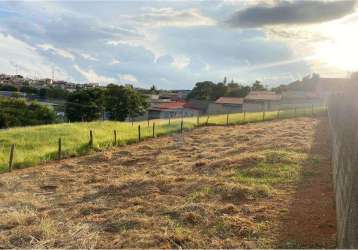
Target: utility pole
(53, 74)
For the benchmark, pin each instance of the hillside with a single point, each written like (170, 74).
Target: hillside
(38, 144)
(256, 185)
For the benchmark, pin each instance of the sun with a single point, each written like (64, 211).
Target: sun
(341, 49)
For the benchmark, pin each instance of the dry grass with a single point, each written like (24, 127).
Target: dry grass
(215, 187)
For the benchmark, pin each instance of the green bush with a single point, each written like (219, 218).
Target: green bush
(17, 112)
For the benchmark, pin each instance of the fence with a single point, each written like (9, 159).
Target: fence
(27, 146)
(343, 116)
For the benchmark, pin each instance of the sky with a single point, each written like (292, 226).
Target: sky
(174, 44)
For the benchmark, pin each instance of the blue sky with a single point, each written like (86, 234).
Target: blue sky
(174, 44)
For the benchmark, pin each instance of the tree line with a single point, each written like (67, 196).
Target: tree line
(17, 112)
(115, 102)
(210, 91)
(88, 104)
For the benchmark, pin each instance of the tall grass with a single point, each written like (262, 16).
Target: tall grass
(38, 144)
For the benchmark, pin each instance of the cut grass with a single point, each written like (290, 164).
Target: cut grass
(39, 144)
(276, 167)
(167, 193)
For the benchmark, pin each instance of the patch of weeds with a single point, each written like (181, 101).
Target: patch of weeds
(236, 193)
(200, 194)
(227, 227)
(120, 226)
(48, 228)
(282, 157)
(268, 173)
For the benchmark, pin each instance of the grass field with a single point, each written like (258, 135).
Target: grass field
(39, 144)
(258, 185)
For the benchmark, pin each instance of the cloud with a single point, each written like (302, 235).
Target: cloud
(92, 76)
(61, 52)
(289, 13)
(127, 78)
(172, 17)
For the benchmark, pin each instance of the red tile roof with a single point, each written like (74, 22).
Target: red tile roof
(229, 100)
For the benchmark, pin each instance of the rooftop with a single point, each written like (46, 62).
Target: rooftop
(263, 96)
(229, 100)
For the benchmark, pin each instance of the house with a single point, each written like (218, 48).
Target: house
(172, 109)
(261, 100)
(226, 105)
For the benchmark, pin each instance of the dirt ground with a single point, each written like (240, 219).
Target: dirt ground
(263, 185)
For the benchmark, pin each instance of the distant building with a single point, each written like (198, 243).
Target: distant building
(172, 109)
(261, 100)
(226, 105)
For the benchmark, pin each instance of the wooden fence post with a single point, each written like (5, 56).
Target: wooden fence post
(181, 127)
(153, 129)
(59, 153)
(148, 121)
(115, 137)
(91, 139)
(11, 158)
(227, 119)
(139, 133)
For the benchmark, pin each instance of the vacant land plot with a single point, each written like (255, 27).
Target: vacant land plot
(256, 185)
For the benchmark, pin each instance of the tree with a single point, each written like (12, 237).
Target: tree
(85, 104)
(17, 112)
(153, 90)
(236, 90)
(202, 91)
(257, 86)
(53, 93)
(28, 89)
(8, 88)
(218, 90)
(123, 101)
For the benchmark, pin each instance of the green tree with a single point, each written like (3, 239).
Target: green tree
(17, 112)
(257, 86)
(28, 89)
(237, 90)
(202, 91)
(218, 90)
(8, 88)
(85, 104)
(153, 90)
(123, 101)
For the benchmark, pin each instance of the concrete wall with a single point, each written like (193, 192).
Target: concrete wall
(343, 116)
(215, 108)
(258, 107)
